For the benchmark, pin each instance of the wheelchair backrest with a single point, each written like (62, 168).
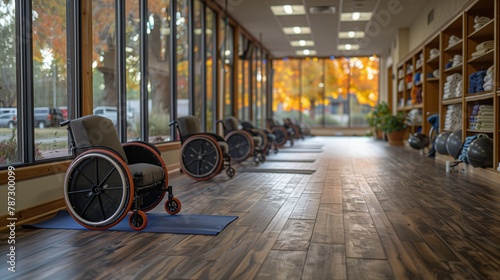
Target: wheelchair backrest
(188, 125)
(231, 123)
(96, 131)
(247, 125)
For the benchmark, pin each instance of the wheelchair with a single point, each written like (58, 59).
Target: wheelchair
(108, 179)
(283, 133)
(242, 143)
(295, 126)
(203, 155)
(267, 137)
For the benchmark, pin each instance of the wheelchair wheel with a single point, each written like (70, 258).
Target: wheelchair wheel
(98, 189)
(240, 145)
(281, 135)
(201, 157)
(173, 206)
(230, 172)
(142, 152)
(138, 222)
(263, 137)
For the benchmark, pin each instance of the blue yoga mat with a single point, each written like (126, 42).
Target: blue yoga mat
(157, 222)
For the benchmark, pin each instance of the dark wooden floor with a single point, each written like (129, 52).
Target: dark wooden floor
(370, 211)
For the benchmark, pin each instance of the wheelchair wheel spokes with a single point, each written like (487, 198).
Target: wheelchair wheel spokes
(103, 203)
(240, 145)
(201, 158)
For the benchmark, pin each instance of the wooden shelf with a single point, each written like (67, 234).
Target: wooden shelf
(434, 60)
(485, 32)
(486, 57)
(432, 80)
(451, 101)
(479, 96)
(454, 69)
(455, 47)
(480, 131)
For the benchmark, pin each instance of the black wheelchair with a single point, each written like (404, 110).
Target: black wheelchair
(108, 179)
(203, 155)
(267, 137)
(282, 132)
(242, 143)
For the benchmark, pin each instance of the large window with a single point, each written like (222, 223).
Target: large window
(182, 52)
(210, 41)
(159, 70)
(9, 144)
(333, 92)
(227, 53)
(198, 61)
(50, 78)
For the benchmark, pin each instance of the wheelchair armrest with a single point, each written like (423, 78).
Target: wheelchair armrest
(64, 123)
(172, 123)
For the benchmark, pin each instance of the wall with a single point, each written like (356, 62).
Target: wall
(443, 11)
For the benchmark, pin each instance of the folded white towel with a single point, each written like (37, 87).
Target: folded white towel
(486, 45)
(481, 19)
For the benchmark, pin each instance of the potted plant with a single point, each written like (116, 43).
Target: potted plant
(376, 117)
(394, 127)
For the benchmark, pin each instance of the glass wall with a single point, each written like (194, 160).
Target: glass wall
(158, 59)
(50, 88)
(210, 47)
(49, 94)
(333, 92)
(198, 61)
(9, 144)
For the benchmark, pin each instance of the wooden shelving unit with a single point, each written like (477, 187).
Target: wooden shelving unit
(466, 50)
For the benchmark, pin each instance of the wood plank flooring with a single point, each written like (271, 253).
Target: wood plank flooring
(370, 211)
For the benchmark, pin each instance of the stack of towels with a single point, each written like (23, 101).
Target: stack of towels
(453, 40)
(457, 60)
(479, 22)
(401, 85)
(414, 117)
(476, 81)
(481, 117)
(453, 120)
(488, 79)
(483, 48)
(433, 53)
(420, 61)
(453, 86)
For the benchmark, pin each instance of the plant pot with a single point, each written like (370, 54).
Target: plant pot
(379, 134)
(396, 137)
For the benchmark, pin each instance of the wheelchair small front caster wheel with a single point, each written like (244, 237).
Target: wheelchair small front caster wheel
(138, 222)
(256, 159)
(230, 172)
(275, 150)
(173, 206)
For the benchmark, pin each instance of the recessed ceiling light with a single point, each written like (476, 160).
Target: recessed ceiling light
(348, 47)
(306, 52)
(302, 43)
(297, 30)
(351, 34)
(288, 10)
(356, 16)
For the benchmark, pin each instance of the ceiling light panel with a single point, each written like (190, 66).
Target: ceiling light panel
(306, 52)
(351, 34)
(302, 43)
(348, 47)
(356, 16)
(297, 30)
(286, 10)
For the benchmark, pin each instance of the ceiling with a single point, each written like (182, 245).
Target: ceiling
(388, 16)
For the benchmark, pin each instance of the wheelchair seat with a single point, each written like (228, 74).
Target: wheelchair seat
(108, 179)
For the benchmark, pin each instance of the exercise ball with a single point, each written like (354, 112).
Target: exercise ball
(418, 141)
(480, 152)
(440, 143)
(454, 143)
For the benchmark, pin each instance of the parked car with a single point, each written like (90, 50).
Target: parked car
(45, 116)
(108, 112)
(8, 120)
(8, 111)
